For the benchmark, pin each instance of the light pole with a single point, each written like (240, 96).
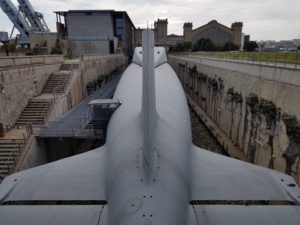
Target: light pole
(35, 87)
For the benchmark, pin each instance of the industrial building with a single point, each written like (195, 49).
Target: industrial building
(160, 33)
(216, 32)
(96, 31)
(3, 36)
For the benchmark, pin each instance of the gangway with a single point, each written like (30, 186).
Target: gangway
(80, 122)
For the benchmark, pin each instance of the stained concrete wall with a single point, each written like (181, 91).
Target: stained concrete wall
(72, 96)
(92, 67)
(22, 78)
(34, 155)
(99, 67)
(256, 106)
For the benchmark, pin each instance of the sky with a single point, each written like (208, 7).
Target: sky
(262, 19)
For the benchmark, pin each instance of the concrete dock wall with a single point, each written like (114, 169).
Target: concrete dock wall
(99, 67)
(22, 78)
(93, 68)
(255, 106)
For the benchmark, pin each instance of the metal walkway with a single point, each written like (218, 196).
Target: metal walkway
(77, 123)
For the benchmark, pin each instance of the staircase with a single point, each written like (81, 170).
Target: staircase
(35, 112)
(37, 108)
(9, 152)
(57, 83)
(69, 66)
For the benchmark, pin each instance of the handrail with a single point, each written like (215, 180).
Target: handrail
(47, 109)
(55, 93)
(278, 59)
(67, 80)
(15, 154)
(18, 105)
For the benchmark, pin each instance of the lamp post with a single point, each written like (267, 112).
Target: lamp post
(2, 89)
(2, 92)
(35, 83)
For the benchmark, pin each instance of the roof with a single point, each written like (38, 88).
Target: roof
(62, 13)
(213, 22)
(174, 35)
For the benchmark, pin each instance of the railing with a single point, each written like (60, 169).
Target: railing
(283, 59)
(68, 129)
(16, 61)
(65, 83)
(12, 115)
(85, 118)
(47, 109)
(15, 155)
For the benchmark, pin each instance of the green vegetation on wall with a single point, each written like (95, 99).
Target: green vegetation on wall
(58, 48)
(234, 96)
(292, 127)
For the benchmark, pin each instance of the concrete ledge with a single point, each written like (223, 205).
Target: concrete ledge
(222, 138)
(96, 57)
(8, 62)
(279, 73)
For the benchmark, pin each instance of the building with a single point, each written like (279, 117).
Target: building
(283, 45)
(96, 31)
(160, 33)
(216, 32)
(3, 36)
(296, 42)
(161, 30)
(138, 37)
(246, 38)
(173, 40)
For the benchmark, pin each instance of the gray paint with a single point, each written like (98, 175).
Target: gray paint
(149, 114)
(179, 172)
(51, 215)
(248, 215)
(79, 26)
(72, 179)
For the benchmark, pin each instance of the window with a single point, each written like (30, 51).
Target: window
(119, 28)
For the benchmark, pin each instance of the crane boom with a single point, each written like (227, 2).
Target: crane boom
(35, 19)
(16, 18)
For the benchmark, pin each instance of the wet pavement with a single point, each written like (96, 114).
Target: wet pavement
(202, 137)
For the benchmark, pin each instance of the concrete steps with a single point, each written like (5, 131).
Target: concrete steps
(56, 83)
(69, 66)
(35, 112)
(9, 152)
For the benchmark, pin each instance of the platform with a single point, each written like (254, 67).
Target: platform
(78, 122)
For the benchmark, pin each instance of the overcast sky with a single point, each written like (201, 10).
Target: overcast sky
(263, 19)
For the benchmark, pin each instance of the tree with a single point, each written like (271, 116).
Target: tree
(298, 48)
(10, 46)
(13, 45)
(187, 46)
(71, 46)
(36, 49)
(250, 46)
(6, 48)
(179, 47)
(230, 46)
(58, 48)
(204, 44)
